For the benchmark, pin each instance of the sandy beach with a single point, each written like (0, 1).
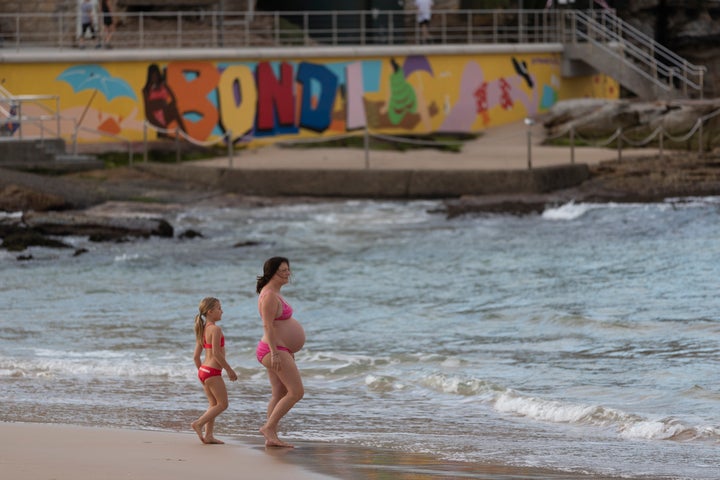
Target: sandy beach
(35, 451)
(41, 451)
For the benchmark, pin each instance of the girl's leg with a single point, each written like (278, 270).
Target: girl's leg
(218, 402)
(284, 397)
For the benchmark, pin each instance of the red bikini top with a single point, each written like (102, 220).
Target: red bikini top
(209, 345)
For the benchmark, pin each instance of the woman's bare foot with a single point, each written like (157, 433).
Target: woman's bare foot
(272, 440)
(198, 430)
(213, 441)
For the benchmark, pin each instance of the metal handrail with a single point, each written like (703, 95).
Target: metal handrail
(21, 118)
(645, 55)
(214, 28)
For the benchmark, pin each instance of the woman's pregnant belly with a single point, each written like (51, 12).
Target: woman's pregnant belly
(290, 334)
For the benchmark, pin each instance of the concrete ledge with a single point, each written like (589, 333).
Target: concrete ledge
(73, 55)
(405, 184)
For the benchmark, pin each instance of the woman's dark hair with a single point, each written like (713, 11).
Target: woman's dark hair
(270, 268)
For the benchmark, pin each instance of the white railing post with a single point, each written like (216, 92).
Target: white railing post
(20, 120)
(277, 28)
(700, 137)
(468, 27)
(141, 29)
(229, 139)
(145, 142)
(177, 144)
(363, 29)
(306, 29)
(529, 123)
(366, 144)
(57, 115)
(334, 27)
(178, 32)
(391, 28)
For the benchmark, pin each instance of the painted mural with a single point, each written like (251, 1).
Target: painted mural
(266, 101)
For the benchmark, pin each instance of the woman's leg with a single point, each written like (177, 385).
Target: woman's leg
(287, 390)
(218, 402)
(278, 391)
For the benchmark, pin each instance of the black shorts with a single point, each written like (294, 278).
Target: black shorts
(424, 22)
(107, 20)
(85, 28)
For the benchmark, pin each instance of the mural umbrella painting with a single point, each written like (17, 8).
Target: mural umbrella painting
(97, 79)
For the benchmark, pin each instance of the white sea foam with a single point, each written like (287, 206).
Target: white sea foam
(627, 425)
(11, 215)
(126, 257)
(568, 211)
(383, 383)
(90, 364)
(458, 385)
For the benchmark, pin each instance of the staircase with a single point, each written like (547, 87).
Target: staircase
(38, 148)
(603, 42)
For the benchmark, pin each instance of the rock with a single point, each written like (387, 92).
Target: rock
(247, 243)
(21, 239)
(79, 223)
(32, 228)
(190, 234)
(641, 179)
(16, 198)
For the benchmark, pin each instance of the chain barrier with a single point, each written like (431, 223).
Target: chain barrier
(180, 134)
(660, 133)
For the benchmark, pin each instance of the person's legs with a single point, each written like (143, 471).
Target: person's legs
(425, 31)
(109, 30)
(216, 390)
(278, 391)
(287, 390)
(84, 28)
(218, 402)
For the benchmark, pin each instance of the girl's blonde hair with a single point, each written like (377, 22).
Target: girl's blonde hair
(206, 304)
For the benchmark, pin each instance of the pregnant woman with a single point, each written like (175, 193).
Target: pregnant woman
(282, 337)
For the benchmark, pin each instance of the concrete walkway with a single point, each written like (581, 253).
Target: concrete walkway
(499, 148)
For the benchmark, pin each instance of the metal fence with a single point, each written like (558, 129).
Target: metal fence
(212, 28)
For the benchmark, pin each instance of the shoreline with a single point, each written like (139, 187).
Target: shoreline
(43, 450)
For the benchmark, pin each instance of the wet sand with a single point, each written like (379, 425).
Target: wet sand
(33, 451)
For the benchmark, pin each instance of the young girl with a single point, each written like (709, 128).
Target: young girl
(209, 337)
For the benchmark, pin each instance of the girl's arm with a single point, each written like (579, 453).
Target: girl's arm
(219, 352)
(196, 355)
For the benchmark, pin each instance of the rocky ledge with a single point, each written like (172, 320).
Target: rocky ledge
(632, 179)
(126, 203)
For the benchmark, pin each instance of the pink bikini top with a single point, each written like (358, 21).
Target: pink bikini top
(287, 310)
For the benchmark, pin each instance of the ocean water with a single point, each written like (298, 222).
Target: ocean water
(585, 339)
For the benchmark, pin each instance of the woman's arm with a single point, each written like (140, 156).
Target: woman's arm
(268, 312)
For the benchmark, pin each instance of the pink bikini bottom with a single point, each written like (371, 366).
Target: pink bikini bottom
(263, 349)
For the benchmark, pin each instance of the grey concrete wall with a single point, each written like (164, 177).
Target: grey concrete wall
(401, 184)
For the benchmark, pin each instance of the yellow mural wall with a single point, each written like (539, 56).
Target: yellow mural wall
(264, 101)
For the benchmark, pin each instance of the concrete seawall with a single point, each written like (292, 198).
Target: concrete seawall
(401, 184)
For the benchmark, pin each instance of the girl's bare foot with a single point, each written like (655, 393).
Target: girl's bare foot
(198, 430)
(214, 441)
(272, 440)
